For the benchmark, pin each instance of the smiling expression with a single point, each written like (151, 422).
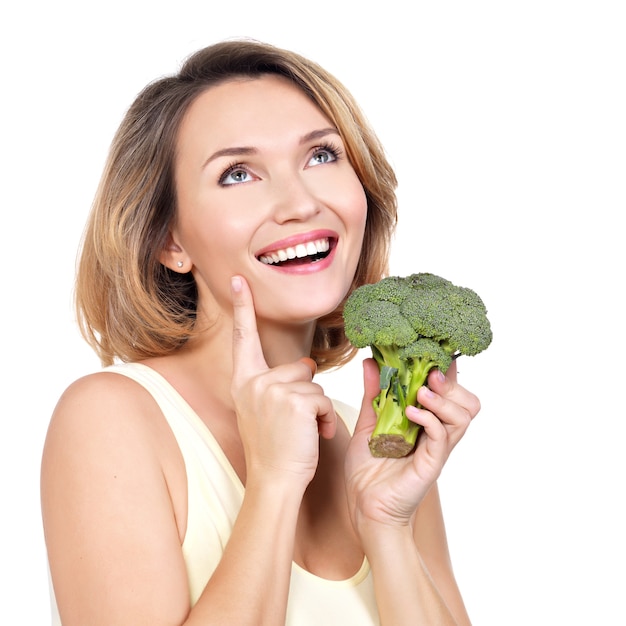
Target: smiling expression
(265, 190)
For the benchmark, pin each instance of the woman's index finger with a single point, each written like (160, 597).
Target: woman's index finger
(247, 350)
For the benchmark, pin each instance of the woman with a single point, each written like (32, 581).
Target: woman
(203, 477)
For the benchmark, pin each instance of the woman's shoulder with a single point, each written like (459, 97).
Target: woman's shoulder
(98, 381)
(99, 391)
(100, 411)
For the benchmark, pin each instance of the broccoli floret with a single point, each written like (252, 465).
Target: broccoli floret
(412, 324)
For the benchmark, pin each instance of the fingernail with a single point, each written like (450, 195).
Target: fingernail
(440, 376)
(235, 283)
(427, 392)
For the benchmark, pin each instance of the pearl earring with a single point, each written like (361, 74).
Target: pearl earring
(180, 263)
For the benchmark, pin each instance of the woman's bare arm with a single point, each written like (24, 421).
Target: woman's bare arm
(111, 529)
(430, 538)
(395, 507)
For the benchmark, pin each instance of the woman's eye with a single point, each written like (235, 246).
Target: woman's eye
(234, 176)
(323, 155)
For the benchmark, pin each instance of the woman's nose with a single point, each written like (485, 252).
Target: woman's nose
(293, 199)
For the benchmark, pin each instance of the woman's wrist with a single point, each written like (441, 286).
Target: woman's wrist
(376, 535)
(405, 591)
(279, 488)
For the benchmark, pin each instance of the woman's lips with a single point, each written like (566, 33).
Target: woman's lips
(307, 252)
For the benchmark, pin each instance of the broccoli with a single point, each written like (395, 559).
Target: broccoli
(412, 324)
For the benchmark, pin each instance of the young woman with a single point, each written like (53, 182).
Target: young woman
(203, 477)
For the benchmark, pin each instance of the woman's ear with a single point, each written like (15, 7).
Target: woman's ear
(174, 257)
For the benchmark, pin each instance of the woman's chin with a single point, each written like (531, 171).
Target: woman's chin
(302, 311)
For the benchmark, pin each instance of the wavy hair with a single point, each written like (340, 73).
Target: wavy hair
(130, 306)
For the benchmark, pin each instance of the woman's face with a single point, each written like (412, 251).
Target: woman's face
(265, 190)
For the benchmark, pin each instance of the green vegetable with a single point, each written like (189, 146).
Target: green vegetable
(412, 324)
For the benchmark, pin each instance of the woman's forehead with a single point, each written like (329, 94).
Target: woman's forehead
(249, 112)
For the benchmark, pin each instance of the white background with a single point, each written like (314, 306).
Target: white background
(505, 122)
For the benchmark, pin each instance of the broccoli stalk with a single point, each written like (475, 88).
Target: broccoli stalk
(401, 376)
(412, 325)
(395, 435)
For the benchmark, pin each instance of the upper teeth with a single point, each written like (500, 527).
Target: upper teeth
(298, 251)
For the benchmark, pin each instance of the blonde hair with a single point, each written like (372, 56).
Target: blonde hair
(130, 306)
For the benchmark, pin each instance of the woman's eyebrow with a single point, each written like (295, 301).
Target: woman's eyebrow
(234, 151)
(248, 150)
(318, 134)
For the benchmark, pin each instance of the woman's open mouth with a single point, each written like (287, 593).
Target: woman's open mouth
(300, 254)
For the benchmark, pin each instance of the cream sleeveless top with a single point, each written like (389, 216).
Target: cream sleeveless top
(215, 495)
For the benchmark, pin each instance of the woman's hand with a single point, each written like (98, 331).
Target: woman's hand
(281, 413)
(388, 491)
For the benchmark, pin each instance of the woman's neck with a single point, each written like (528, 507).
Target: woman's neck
(284, 344)
(209, 355)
